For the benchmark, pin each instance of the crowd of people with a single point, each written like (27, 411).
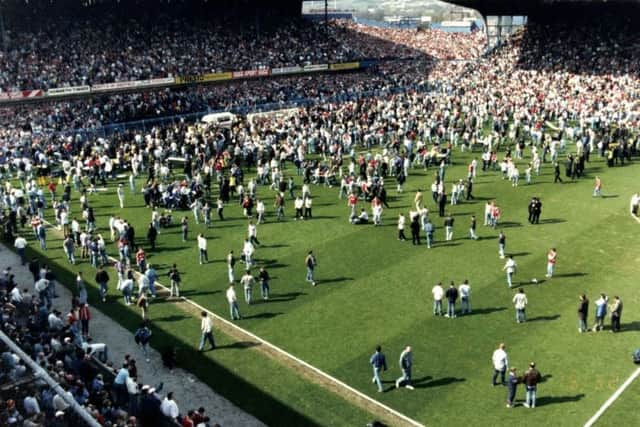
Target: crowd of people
(68, 51)
(523, 102)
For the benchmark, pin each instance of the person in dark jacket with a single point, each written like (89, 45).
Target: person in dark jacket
(102, 279)
(452, 297)
(152, 235)
(379, 363)
(583, 311)
(531, 378)
(512, 385)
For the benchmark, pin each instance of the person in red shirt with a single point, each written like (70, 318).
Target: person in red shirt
(198, 416)
(187, 421)
(551, 261)
(52, 190)
(85, 317)
(141, 260)
(352, 202)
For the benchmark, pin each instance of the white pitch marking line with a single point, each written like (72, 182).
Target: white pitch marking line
(612, 399)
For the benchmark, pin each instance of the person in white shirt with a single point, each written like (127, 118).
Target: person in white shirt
(298, 204)
(169, 407)
(206, 332)
(520, 304)
(500, 364)
(232, 299)
(247, 250)
(247, 282)
(401, 221)
(438, 293)
(465, 297)
(252, 231)
(510, 268)
(15, 296)
(308, 204)
(120, 193)
(20, 244)
(202, 248)
(260, 209)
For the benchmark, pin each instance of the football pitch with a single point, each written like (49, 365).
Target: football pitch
(373, 289)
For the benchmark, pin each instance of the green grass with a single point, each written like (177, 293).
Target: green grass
(375, 290)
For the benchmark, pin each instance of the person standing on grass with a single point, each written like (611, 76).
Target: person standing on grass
(502, 243)
(184, 227)
(247, 252)
(152, 236)
(143, 304)
(452, 296)
(206, 213)
(465, 297)
(310, 262)
(120, 193)
(152, 275)
(583, 312)
(379, 363)
(232, 299)
(512, 386)
(401, 223)
(616, 314)
(126, 287)
(500, 364)
(206, 332)
(298, 205)
(308, 205)
(202, 249)
(102, 279)
(597, 189)
(174, 280)
(510, 268)
(220, 208)
(429, 230)
(531, 378)
(601, 312)
(556, 173)
(142, 336)
(438, 294)
(472, 228)
(141, 260)
(520, 303)
(279, 205)
(264, 278)
(252, 231)
(247, 281)
(20, 244)
(415, 230)
(552, 257)
(448, 227)
(406, 363)
(231, 263)
(69, 249)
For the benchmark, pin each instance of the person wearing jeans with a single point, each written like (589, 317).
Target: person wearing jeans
(233, 303)
(438, 293)
(531, 379)
(500, 364)
(510, 268)
(207, 334)
(520, 303)
(379, 363)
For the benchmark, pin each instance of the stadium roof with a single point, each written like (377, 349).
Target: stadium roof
(534, 7)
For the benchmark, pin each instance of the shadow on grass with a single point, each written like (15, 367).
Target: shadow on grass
(609, 196)
(285, 297)
(550, 400)
(519, 253)
(629, 327)
(440, 245)
(426, 382)
(544, 318)
(334, 280)
(552, 221)
(509, 224)
(530, 283)
(238, 345)
(191, 292)
(462, 213)
(267, 315)
(488, 310)
(576, 274)
(274, 246)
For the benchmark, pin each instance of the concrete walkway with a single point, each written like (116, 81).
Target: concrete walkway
(189, 392)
